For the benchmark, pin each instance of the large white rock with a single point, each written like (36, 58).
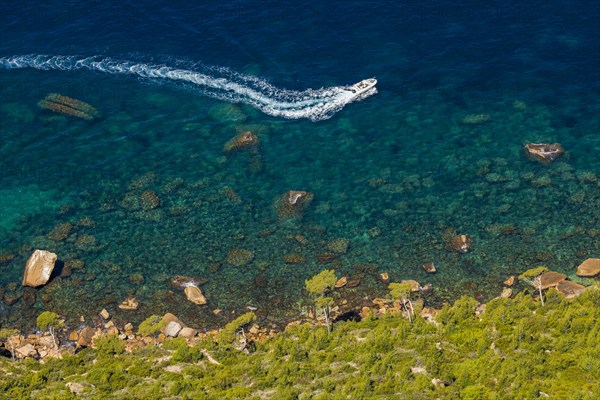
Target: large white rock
(38, 268)
(194, 294)
(172, 329)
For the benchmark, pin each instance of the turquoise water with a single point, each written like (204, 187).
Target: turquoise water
(391, 173)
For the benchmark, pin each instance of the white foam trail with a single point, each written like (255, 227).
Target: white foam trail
(233, 87)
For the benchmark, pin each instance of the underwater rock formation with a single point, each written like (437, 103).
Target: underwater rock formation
(38, 268)
(292, 204)
(68, 106)
(460, 244)
(543, 152)
(429, 267)
(239, 257)
(241, 141)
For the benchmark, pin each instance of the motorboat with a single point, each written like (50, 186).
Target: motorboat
(363, 86)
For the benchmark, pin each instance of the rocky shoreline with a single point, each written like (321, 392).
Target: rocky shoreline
(69, 340)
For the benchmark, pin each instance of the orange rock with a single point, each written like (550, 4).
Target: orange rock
(243, 140)
(544, 152)
(589, 268)
(551, 278)
(341, 282)
(511, 280)
(384, 277)
(38, 268)
(570, 289)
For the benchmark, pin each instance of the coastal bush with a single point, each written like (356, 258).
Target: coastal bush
(513, 349)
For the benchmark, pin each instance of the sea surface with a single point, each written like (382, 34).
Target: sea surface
(145, 189)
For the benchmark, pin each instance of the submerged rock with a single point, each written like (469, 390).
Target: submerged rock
(429, 267)
(460, 243)
(241, 141)
(543, 152)
(589, 268)
(239, 257)
(38, 268)
(292, 204)
(339, 246)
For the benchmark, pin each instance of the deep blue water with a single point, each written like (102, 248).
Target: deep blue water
(390, 173)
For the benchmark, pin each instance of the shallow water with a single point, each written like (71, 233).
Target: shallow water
(391, 173)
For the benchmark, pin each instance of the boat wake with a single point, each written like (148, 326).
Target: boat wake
(219, 83)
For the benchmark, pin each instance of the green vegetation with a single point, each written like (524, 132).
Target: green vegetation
(50, 321)
(228, 334)
(513, 350)
(151, 326)
(320, 285)
(401, 291)
(533, 277)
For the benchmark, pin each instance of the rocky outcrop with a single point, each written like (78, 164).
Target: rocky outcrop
(38, 268)
(570, 289)
(551, 279)
(589, 268)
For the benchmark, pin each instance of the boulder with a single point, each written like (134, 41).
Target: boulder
(506, 293)
(429, 267)
(544, 152)
(26, 351)
(589, 268)
(187, 333)
(85, 337)
(460, 243)
(510, 281)
(551, 279)
(341, 282)
(130, 303)
(194, 294)
(384, 277)
(168, 317)
(104, 314)
(570, 289)
(172, 329)
(38, 268)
